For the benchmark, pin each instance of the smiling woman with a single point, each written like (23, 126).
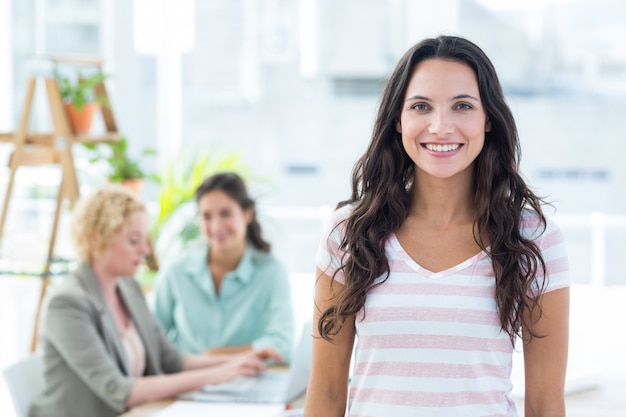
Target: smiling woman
(231, 294)
(441, 257)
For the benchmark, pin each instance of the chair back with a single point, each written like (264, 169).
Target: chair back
(24, 380)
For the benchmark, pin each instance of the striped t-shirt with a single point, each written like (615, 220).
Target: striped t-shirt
(431, 344)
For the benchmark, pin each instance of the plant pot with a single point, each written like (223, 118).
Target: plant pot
(80, 120)
(134, 184)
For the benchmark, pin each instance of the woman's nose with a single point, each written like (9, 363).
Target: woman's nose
(441, 124)
(215, 224)
(146, 248)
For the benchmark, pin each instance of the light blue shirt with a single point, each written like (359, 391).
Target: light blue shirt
(254, 304)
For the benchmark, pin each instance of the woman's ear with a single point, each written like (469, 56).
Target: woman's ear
(398, 126)
(249, 215)
(488, 126)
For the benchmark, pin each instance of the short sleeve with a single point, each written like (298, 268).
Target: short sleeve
(329, 255)
(552, 245)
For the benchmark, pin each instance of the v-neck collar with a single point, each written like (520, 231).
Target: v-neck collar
(405, 257)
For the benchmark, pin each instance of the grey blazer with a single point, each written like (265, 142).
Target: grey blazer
(85, 365)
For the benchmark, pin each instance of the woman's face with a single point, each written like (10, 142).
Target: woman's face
(223, 221)
(128, 248)
(443, 122)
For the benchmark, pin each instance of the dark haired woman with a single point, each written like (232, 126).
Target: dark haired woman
(441, 258)
(233, 294)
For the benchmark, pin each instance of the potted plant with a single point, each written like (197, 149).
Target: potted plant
(122, 168)
(80, 98)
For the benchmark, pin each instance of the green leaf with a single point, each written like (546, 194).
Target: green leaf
(81, 89)
(121, 165)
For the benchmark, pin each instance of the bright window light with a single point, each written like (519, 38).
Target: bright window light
(163, 24)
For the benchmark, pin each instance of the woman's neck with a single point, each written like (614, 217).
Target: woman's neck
(443, 201)
(226, 260)
(107, 280)
(108, 284)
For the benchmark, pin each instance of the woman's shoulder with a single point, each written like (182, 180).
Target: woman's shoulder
(70, 292)
(534, 225)
(264, 259)
(72, 283)
(69, 287)
(338, 217)
(343, 212)
(265, 265)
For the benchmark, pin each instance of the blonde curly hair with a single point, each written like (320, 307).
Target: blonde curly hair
(97, 218)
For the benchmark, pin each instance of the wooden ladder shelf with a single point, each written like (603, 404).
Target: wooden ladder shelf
(36, 149)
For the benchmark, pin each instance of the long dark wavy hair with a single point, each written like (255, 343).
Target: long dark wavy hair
(381, 185)
(233, 185)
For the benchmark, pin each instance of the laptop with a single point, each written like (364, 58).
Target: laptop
(275, 386)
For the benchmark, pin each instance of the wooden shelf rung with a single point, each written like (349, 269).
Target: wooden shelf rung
(99, 138)
(36, 156)
(78, 60)
(32, 138)
(48, 139)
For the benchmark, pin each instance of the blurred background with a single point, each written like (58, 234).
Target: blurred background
(291, 87)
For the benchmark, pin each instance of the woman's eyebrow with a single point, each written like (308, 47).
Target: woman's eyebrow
(460, 96)
(417, 98)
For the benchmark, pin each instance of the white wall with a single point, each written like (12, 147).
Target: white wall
(6, 69)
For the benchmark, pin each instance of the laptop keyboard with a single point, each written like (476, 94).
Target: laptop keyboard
(238, 384)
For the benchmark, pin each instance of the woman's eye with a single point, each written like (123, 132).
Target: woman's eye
(420, 107)
(463, 106)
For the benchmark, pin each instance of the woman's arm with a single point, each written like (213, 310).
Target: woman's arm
(545, 358)
(226, 350)
(278, 316)
(327, 391)
(165, 386)
(210, 359)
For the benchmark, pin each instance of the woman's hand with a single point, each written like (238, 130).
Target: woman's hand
(268, 354)
(253, 362)
(249, 363)
(245, 363)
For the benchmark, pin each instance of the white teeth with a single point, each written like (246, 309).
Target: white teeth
(442, 148)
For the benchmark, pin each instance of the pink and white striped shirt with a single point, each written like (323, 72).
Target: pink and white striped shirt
(430, 344)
